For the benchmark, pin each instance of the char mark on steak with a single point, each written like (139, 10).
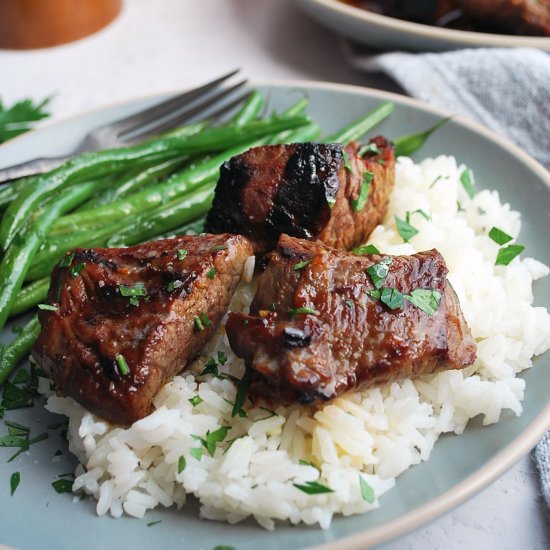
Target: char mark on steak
(129, 319)
(316, 331)
(306, 190)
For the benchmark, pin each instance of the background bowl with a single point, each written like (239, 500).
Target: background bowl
(386, 33)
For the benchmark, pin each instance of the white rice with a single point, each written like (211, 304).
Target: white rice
(376, 434)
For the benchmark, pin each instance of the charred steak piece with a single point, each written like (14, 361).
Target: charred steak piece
(306, 190)
(129, 319)
(324, 321)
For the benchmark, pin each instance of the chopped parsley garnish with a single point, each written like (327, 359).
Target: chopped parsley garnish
(365, 249)
(196, 452)
(75, 270)
(302, 310)
(66, 260)
(425, 299)
(241, 394)
(63, 485)
(211, 367)
(367, 492)
(20, 116)
(507, 254)
(181, 464)
(14, 397)
(132, 291)
(151, 523)
(122, 365)
(425, 215)
(439, 178)
(313, 488)
(16, 429)
(378, 272)
(196, 400)
(389, 296)
(370, 148)
(347, 163)
(301, 265)
(306, 463)
(182, 253)
(218, 248)
(467, 181)
(331, 201)
(211, 273)
(405, 229)
(499, 236)
(271, 307)
(14, 482)
(349, 303)
(197, 323)
(170, 286)
(205, 320)
(48, 307)
(211, 439)
(134, 301)
(359, 203)
(222, 358)
(21, 443)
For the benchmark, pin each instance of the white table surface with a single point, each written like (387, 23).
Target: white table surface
(166, 44)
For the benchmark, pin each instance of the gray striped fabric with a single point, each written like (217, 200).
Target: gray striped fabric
(506, 90)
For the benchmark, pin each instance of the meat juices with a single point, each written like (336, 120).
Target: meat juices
(153, 305)
(305, 190)
(344, 337)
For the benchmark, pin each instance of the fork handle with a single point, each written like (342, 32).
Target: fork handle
(31, 168)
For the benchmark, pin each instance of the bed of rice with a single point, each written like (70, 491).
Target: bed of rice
(376, 434)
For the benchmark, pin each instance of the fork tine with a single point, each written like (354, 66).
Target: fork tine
(212, 117)
(176, 118)
(138, 120)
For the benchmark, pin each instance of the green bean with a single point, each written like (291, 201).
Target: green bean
(30, 296)
(100, 163)
(192, 228)
(251, 108)
(54, 248)
(136, 181)
(18, 348)
(166, 218)
(17, 259)
(358, 127)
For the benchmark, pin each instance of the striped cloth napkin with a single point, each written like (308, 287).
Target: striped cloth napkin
(506, 90)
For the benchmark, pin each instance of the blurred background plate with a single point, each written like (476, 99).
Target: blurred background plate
(385, 33)
(37, 518)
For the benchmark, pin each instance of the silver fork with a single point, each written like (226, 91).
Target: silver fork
(139, 126)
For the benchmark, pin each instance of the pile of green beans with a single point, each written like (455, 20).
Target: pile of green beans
(126, 196)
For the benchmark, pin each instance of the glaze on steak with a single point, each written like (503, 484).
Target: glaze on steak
(187, 285)
(346, 338)
(304, 190)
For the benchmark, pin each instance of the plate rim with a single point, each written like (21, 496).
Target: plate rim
(509, 455)
(419, 30)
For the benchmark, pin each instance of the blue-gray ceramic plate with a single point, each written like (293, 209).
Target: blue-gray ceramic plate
(36, 517)
(386, 33)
